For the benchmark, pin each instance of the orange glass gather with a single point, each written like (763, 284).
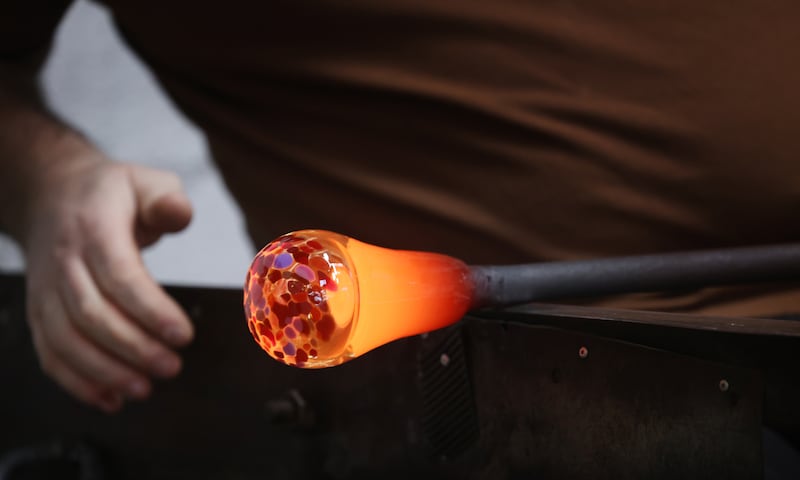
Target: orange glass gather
(315, 298)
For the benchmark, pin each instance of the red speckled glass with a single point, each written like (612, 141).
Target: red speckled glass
(316, 299)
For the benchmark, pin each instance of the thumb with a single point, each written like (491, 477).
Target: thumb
(161, 203)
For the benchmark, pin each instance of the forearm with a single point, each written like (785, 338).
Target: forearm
(33, 143)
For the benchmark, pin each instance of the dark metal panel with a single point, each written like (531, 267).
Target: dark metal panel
(626, 410)
(581, 406)
(774, 356)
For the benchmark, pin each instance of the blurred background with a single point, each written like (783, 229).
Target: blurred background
(94, 81)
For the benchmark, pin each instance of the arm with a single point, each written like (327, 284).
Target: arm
(102, 327)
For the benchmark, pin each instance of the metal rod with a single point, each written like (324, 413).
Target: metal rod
(505, 285)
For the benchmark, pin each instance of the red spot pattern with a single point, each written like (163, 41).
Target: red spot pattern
(325, 327)
(288, 312)
(301, 356)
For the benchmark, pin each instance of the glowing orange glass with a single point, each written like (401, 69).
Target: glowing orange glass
(316, 299)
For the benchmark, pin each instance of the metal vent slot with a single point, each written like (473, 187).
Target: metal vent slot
(449, 417)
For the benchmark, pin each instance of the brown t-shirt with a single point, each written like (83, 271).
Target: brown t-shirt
(497, 132)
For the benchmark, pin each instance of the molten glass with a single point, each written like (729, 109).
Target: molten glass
(316, 299)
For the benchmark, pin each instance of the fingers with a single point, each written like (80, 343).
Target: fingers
(116, 267)
(90, 374)
(170, 213)
(162, 204)
(107, 400)
(103, 324)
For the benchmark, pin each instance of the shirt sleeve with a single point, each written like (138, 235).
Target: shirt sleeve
(27, 26)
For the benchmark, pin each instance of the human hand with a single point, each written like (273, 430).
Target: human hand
(102, 327)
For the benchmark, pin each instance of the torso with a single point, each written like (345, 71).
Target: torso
(497, 132)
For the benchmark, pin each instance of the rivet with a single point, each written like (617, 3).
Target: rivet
(723, 385)
(444, 359)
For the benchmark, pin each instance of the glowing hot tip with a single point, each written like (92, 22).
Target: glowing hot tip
(315, 298)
